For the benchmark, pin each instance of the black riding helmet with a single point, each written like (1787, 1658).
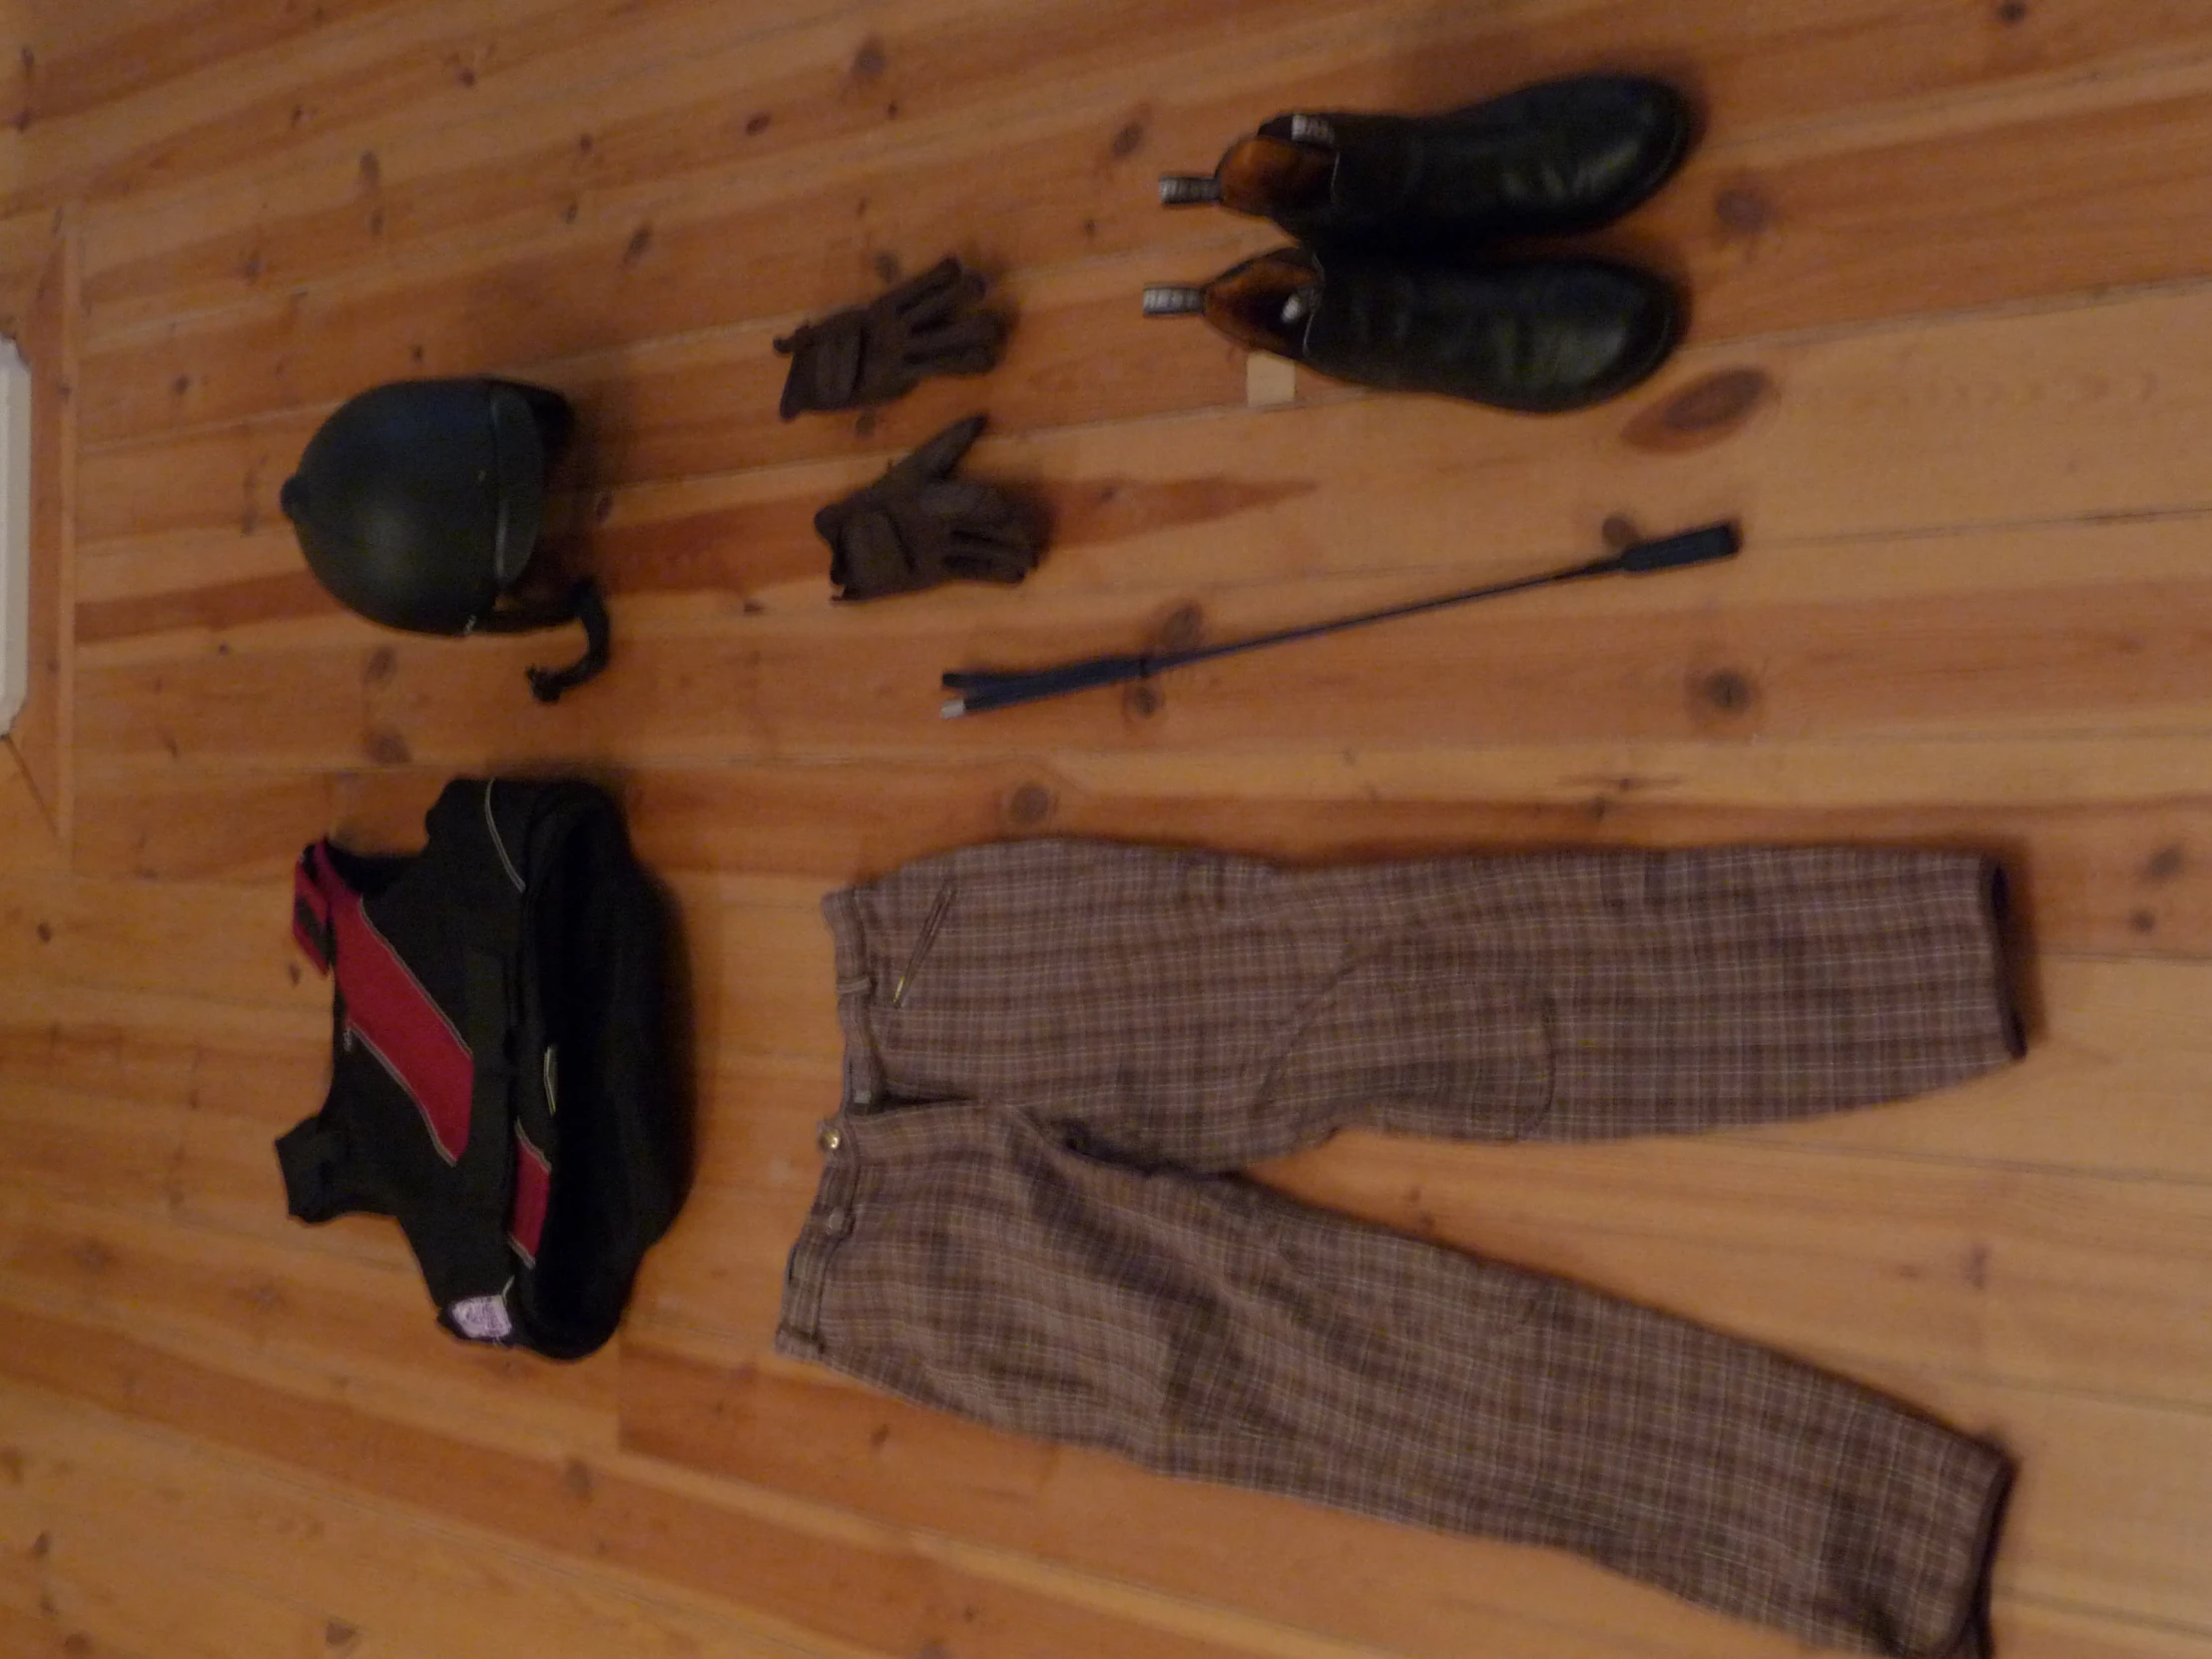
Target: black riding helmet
(418, 504)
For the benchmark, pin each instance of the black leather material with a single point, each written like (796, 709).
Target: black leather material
(1539, 335)
(1548, 160)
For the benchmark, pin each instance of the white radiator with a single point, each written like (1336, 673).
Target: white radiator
(15, 533)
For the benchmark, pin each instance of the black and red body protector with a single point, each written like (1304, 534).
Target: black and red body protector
(501, 1077)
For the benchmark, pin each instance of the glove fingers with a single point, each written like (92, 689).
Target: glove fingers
(934, 296)
(971, 562)
(1008, 539)
(997, 551)
(969, 346)
(968, 505)
(935, 457)
(868, 355)
(919, 286)
(993, 529)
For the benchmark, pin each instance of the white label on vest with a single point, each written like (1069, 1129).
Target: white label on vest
(483, 1318)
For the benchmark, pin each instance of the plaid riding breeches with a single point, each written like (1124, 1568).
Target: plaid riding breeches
(1060, 1053)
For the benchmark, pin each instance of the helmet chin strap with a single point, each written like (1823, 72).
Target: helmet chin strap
(582, 604)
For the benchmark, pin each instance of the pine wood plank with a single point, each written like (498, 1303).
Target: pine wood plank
(55, 76)
(148, 1604)
(379, 1580)
(1843, 236)
(26, 244)
(2093, 874)
(188, 824)
(188, 1610)
(735, 108)
(19, 1531)
(134, 936)
(2050, 1632)
(132, 1155)
(278, 1311)
(27, 839)
(1856, 436)
(2130, 1472)
(793, 1565)
(2087, 878)
(1666, 661)
(55, 32)
(487, 77)
(198, 111)
(168, 1047)
(37, 1638)
(204, 1168)
(220, 476)
(687, 819)
(519, 165)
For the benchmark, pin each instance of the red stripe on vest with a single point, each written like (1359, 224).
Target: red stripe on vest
(398, 1018)
(406, 1031)
(533, 1186)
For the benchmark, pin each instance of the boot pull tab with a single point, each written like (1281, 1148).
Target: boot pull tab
(1189, 190)
(1169, 299)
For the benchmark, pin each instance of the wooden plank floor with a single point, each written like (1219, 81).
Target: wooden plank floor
(1952, 364)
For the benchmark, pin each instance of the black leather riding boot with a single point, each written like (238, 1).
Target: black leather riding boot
(1552, 158)
(1536, 336)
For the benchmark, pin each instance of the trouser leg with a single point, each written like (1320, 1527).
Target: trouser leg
(1209, 1011)
(967, 1256)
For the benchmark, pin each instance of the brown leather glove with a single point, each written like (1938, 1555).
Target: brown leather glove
(876, 352)
(918, 527)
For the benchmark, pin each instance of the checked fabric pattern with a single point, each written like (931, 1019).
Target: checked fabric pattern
(1058, 1054)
